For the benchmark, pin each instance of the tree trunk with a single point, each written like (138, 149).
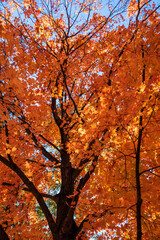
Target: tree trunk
(66, 226)
(138, 183)
(3, 234)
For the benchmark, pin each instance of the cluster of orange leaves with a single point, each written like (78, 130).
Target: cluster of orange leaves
(30, 60)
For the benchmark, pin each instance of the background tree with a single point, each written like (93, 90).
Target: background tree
(75, 116)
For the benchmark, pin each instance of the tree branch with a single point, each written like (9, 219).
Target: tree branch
(3, 234)
(33, 190)
(55, 198)
(148, 170)
(50, 143)
(48, 155)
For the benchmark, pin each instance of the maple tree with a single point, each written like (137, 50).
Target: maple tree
(79, 120)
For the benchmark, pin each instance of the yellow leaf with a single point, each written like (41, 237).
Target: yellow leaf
(8, 151)
(14, 149)
(154, 216)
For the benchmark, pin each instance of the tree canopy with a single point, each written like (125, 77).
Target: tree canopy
(79, 119)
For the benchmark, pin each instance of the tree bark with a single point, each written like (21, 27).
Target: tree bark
(3, 234)
(138, 183)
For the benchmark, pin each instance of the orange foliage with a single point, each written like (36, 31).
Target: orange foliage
(79, 120)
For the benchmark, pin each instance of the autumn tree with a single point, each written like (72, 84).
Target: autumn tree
(79, 119)
(135, 145)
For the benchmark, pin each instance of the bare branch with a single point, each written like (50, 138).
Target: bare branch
(55, 198)
(53, 145)
(149, 170)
